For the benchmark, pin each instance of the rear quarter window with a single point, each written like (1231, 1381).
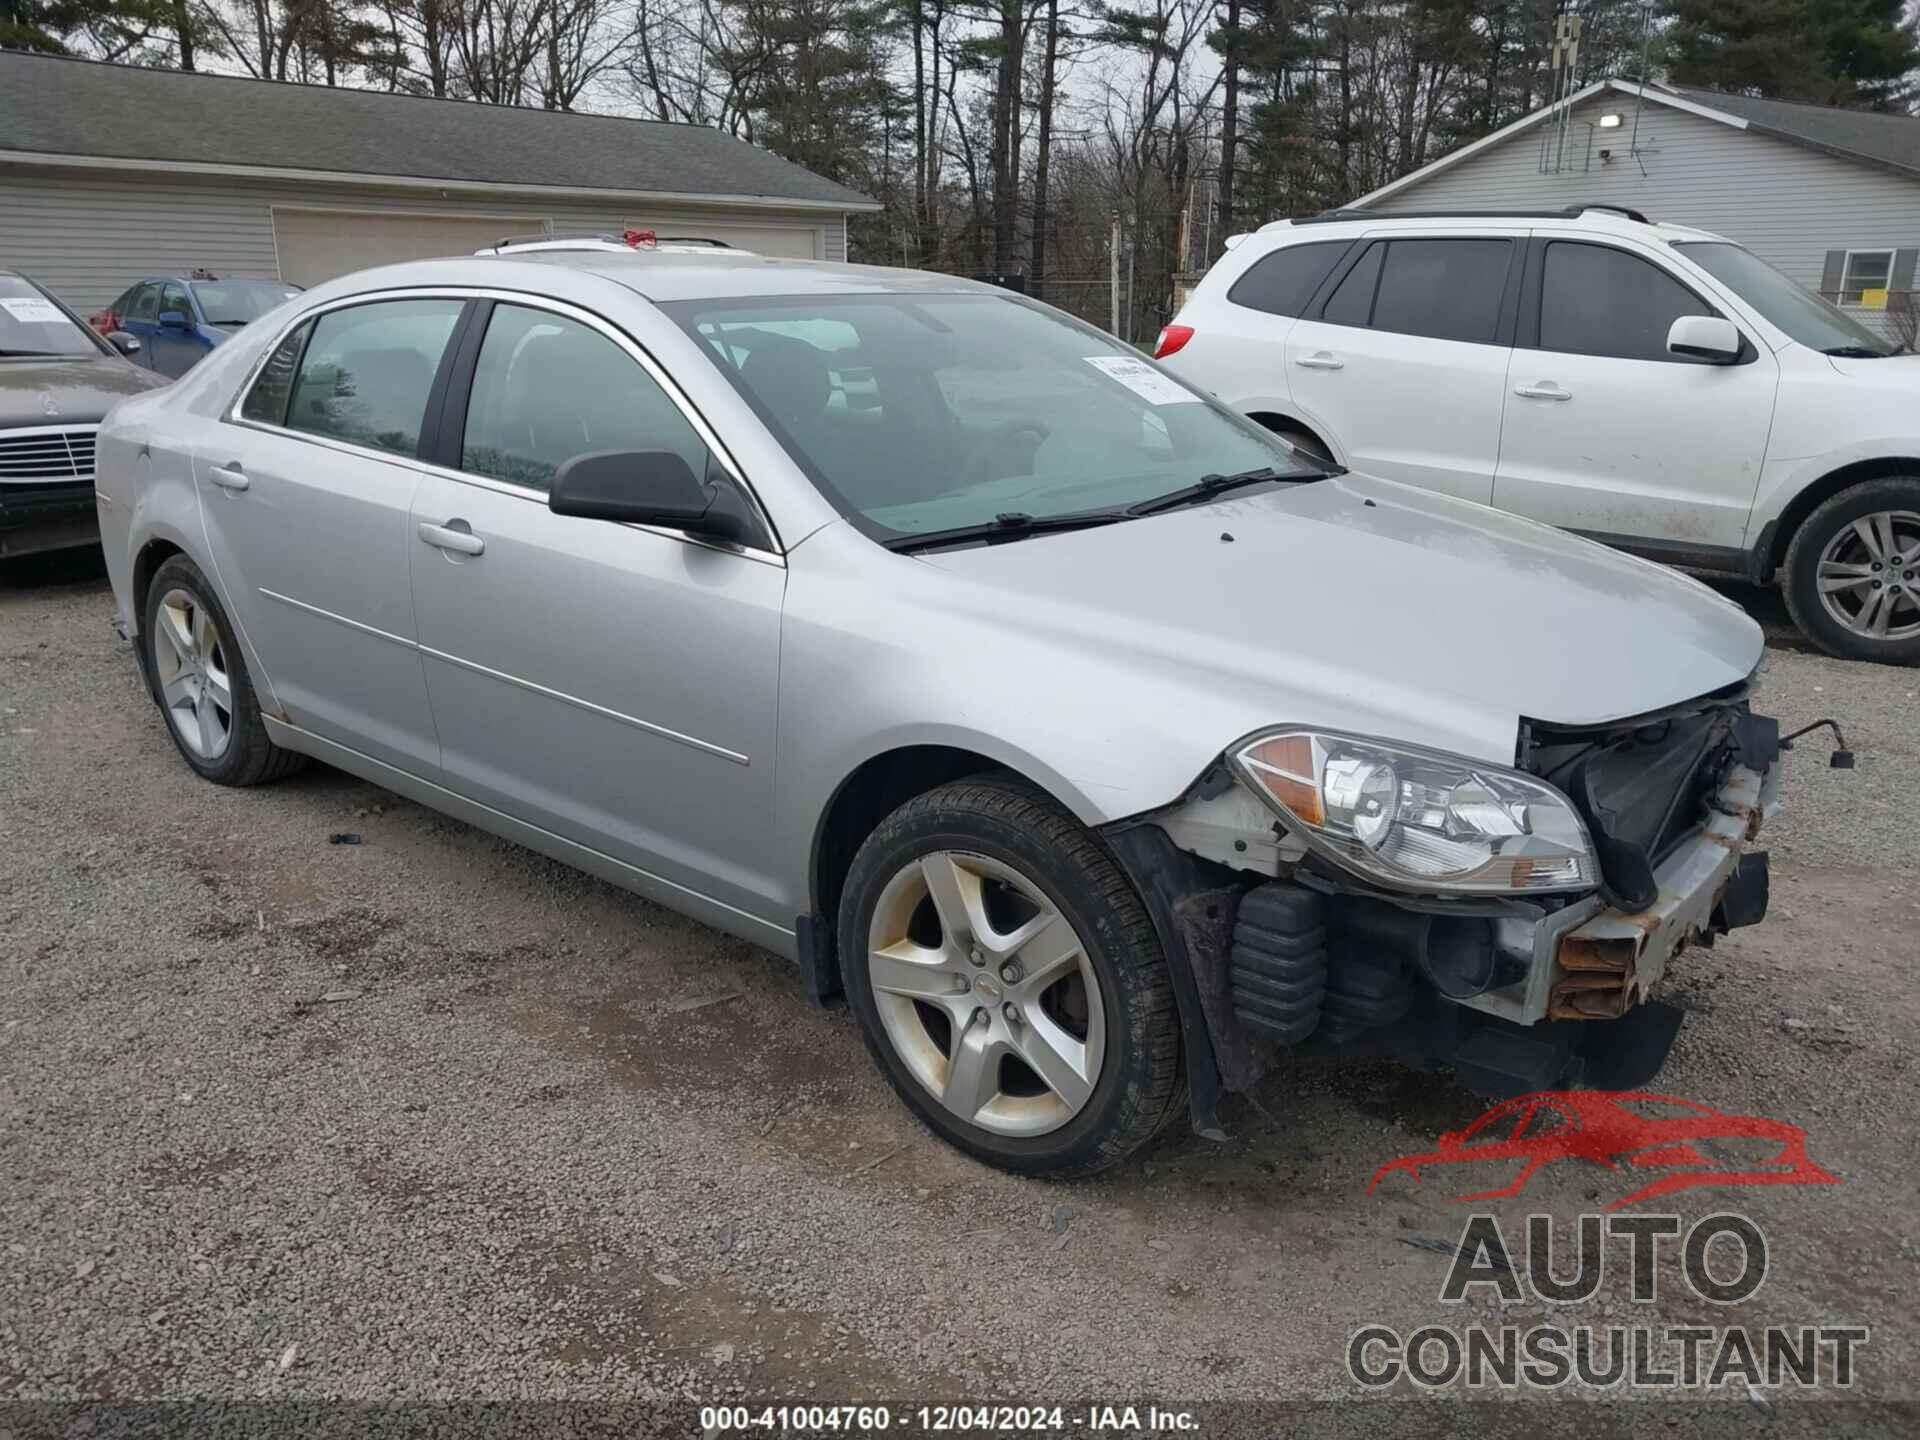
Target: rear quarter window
(1283, 282)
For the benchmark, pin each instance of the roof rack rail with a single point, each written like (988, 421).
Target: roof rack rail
(1565, 212)
(604, 240)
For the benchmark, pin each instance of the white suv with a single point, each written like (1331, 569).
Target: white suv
(1655, 387)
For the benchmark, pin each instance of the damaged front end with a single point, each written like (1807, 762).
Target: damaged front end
(1296, 926)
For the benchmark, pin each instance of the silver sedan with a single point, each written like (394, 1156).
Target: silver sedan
(1093, 743)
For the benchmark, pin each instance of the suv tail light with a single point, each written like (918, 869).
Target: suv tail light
(1172, 337)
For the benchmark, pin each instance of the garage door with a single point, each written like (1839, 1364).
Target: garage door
(316, 245)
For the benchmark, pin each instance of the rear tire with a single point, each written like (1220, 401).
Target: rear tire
(1095, 1011)
(199, 679)
(1852, 577)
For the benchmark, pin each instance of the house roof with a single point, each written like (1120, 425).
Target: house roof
(1886, 142)
(1891, 140)
(54, 106)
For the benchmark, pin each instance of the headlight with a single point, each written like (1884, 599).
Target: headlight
(1418, 820)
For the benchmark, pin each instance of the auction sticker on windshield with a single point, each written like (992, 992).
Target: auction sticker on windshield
(33, 311)
(1141, 378)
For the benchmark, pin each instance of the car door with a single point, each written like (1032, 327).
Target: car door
(142, 320)
(176, 344)
(1403, 365)
(612, 684)
(307, 492)
(1609, 434)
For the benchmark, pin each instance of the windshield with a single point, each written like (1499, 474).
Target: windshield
(31, 324)
(918, 414)
(236, 302)
(1803, 315)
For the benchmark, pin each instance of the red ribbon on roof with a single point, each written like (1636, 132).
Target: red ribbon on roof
(641, 239)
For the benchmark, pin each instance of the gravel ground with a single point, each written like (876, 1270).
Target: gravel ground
(433, 1117)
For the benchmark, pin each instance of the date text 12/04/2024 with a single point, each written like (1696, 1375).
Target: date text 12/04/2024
(859, 1419)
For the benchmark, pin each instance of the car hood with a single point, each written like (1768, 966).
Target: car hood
(1358, 601)
(1894, 372)
(80, 391)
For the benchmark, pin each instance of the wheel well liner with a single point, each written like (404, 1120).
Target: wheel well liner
(876, 788)
(1282, 423)
(1774, 553)
(152, 556)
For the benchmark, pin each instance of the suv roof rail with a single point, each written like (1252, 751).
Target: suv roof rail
(604, 240)
(1565, 212)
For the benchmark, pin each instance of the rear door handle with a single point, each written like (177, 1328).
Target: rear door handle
(1321, 361)
(1544, 390)
(446, 537)
(228, 477)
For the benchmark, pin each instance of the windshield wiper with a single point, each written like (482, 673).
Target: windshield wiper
(35, 355)
(1009, 525)
(1854, 352)
(1205, 488)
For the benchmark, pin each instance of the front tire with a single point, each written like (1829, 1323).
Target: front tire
(1009, 982)
(1853, 573)
(199, 680)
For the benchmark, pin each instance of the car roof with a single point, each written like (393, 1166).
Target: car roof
(1347, 223)
(705, 275)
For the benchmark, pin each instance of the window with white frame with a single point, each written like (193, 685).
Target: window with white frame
(1865, 270)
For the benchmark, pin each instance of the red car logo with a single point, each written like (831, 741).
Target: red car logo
(1621, 1128)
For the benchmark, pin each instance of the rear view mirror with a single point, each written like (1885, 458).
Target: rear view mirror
(126, 342)
(174, 320)
(1704, 337)
(646, 487)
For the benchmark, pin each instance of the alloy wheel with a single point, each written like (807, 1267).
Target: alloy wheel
(986, 992)
(1868, 575)
(196, 688)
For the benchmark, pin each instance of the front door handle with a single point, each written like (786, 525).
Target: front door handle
(1543, 390)
(228, 477)
(1321, 361)
(455, 535)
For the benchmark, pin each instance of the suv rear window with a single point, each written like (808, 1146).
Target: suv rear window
(1282, 283)
(1442, 289)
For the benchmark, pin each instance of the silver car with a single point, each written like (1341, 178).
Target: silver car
(1098, 747)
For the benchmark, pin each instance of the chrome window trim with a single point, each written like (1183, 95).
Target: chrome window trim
(502, 296)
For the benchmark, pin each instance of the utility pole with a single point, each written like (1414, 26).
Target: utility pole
(1113, 274)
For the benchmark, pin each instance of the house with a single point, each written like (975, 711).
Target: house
(1831, 197)
(109, 173)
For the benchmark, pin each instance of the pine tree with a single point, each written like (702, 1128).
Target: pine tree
(1831, 52)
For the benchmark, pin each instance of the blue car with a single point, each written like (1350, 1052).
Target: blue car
(180, 318)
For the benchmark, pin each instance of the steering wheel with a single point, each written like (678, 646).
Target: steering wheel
(996, 443)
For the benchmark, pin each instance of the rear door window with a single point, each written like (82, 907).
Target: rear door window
(173, 301)
(1443, 289)
(1596, 300)
(367, 370)
(1282, 283)
(145, 304)
(266, 402)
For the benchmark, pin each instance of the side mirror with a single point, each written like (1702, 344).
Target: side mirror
(125, 341)
(1705, 337)
(646, 487)
(174, 320)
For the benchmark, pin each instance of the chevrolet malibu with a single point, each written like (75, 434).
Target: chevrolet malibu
(1098, 747)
